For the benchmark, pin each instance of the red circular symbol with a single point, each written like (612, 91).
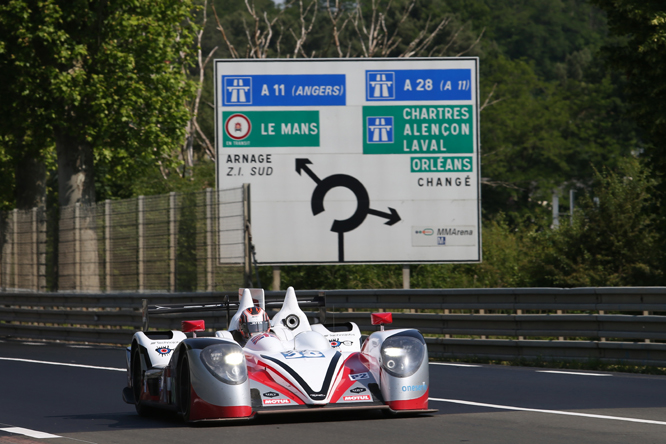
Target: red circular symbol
(163, 350)
(238, 126)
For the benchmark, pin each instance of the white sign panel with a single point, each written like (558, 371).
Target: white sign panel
(354, 160)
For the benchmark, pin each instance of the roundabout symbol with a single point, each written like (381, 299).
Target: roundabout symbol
(362, 198)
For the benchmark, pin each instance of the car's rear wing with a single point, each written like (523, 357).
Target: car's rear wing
(227, 305)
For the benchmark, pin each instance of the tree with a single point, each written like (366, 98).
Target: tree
(639, 52)
(104, 80)
(541, 135)
(6, 180)
(612, 241)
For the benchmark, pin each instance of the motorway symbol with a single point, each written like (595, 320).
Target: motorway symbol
(238, 90)
(362, 198)
(380, 85)
(380, 129)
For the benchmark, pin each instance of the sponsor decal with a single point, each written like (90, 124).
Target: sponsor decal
(293, 354)
(357, 390)
(317, 395)
(258, 338)
(456, 236)
(276, 401)
(425, 231)
(415, 388)
(164, 350)
(357, 398)
(335, 343)
(357, 376)
(271, 394)
(338, 335)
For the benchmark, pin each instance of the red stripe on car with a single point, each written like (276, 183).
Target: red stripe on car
(410, 404)
(201, 409)
(264, 378)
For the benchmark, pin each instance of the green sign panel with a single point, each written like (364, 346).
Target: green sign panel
(441, 164)
(446, 129)
(266, 129)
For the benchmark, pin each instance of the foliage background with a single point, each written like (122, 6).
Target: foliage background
(568, 84)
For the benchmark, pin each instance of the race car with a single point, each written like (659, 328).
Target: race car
(285, 364)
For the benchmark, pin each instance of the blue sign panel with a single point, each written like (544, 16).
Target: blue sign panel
(284, 90)
(427, 85)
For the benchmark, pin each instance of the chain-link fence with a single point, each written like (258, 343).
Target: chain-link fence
(175, 242)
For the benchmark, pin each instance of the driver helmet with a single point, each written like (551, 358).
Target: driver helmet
(253, 321)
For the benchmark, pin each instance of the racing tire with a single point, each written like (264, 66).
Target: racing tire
(137, 383)
(184, 384)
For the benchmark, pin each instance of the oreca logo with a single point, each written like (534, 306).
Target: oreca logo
(415, 388)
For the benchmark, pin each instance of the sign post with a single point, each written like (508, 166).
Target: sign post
(354, 160)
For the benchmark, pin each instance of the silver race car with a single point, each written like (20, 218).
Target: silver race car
(284, 364)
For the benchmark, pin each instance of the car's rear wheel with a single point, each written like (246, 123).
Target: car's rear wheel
(184, 395)
(137, 382)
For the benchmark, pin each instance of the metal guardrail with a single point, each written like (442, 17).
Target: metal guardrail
(605, 324)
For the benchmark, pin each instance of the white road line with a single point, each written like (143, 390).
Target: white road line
(552, 412)
(28, 432)
(450, 364)
(64, 364)
(573, 373)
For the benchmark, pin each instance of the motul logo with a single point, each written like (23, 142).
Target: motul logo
(276, 401)
(357, 398)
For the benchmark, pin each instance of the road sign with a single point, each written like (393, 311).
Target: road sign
(354, 160)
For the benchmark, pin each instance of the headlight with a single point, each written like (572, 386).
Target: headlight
(402, 355)
(226, 362)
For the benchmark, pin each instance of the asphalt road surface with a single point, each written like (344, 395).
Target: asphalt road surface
(42, 400)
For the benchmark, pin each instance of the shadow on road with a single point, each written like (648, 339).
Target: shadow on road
(165, 419)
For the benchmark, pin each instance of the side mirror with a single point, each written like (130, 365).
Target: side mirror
(192, 326)
(381, 319)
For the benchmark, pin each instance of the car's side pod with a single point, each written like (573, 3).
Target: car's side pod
(398, 359)
(148, 355)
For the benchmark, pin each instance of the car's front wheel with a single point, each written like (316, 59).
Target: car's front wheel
(137, 382)
(184, 387)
